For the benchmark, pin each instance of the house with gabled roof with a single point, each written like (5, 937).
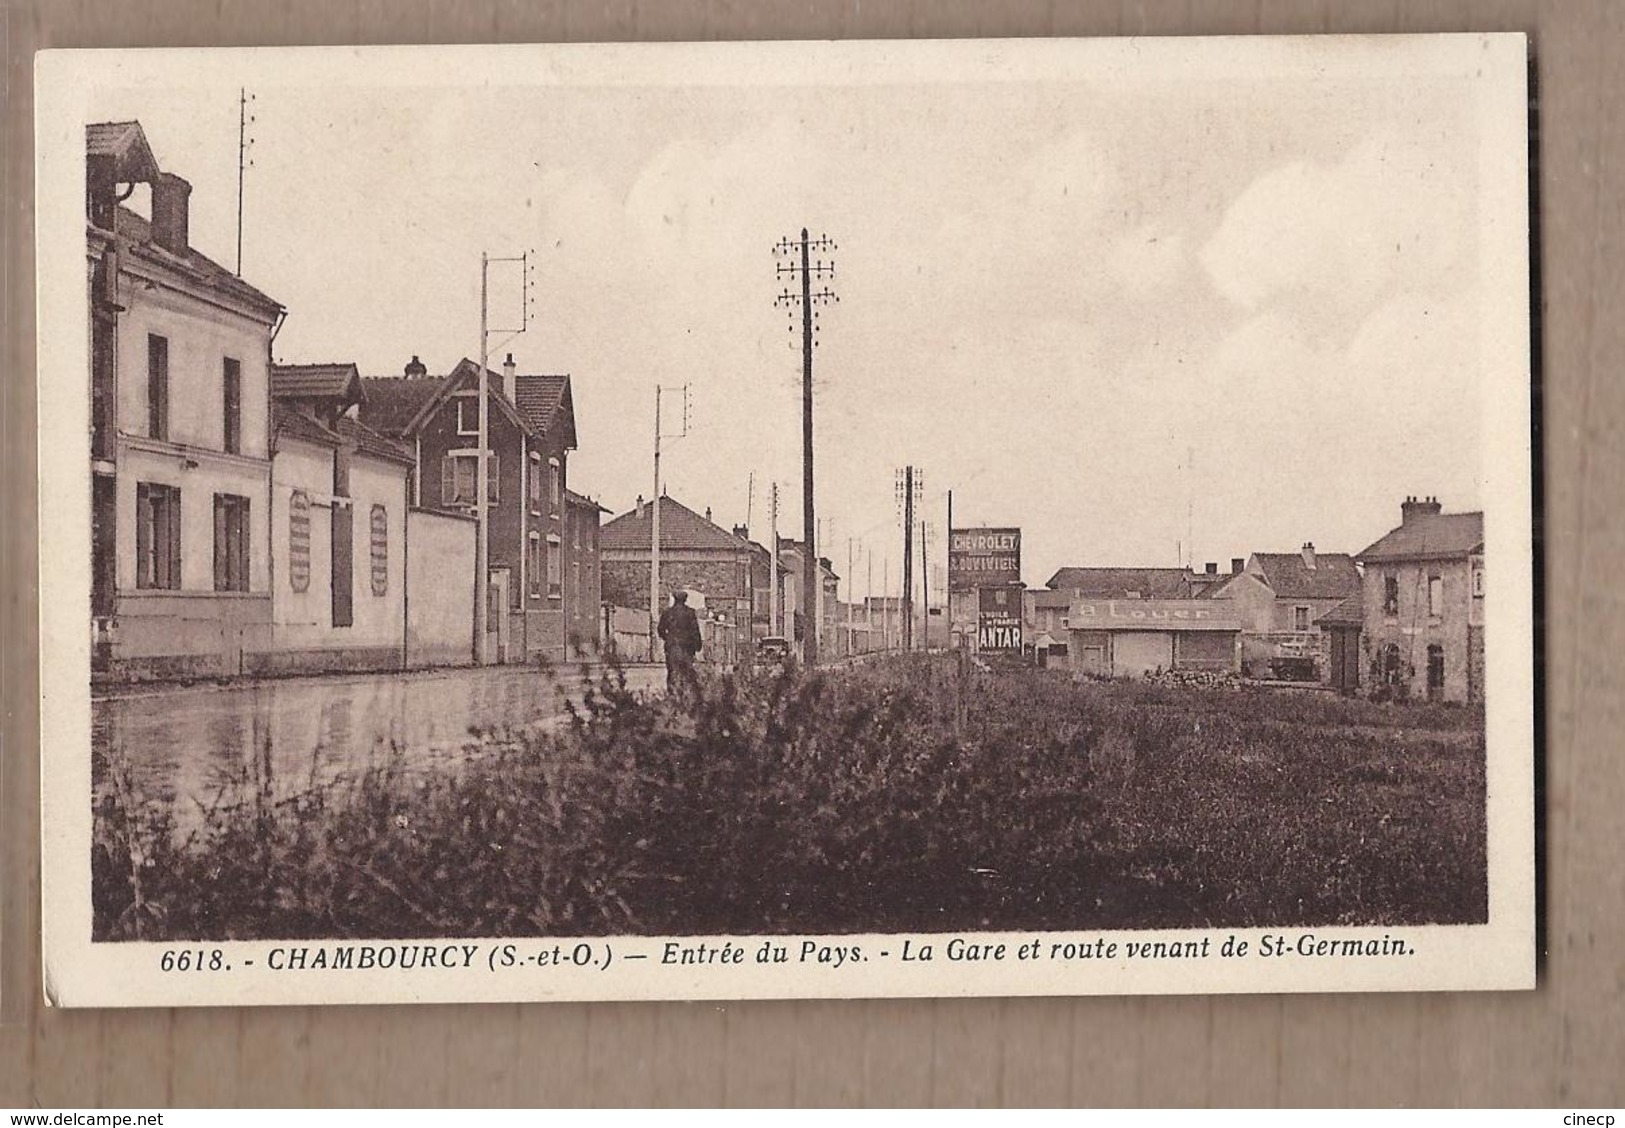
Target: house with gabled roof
(696, 555)
(1423, 604)
(1122, 583)
(1278, 597)
(180, 463)
(532, 432)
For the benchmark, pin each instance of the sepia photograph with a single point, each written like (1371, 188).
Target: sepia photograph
(787, 519)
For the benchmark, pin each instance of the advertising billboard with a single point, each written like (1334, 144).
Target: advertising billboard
(998, 621)
(983, 557)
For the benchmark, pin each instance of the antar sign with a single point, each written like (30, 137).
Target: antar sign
(980, 557)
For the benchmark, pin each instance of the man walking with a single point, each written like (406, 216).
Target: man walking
(680, 630)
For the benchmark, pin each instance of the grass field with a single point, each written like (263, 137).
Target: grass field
(888, 798)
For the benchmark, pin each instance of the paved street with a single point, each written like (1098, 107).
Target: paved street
(195, 744)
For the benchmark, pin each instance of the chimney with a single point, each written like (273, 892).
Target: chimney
(742, 532)
(1418, 507)
(1212, 568)
(101, 189)
(415, 369)
(508, 388)
(1236, 565)
(708, 515)
(640, 506)
(170, 196)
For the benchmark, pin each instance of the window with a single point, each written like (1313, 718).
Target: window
(157, 386)
(554, 568)
(157, 536)
(533, 564)
(1478, 581)
(576, 580)
(1435, 672)
(1300, 618)
(299, 541)
(1435, 596)
(533, 485)
(380, 550)
(468, 415)
(230, 542)
(232, 389)
(555, 478)
(457, 482)
(1390, 595)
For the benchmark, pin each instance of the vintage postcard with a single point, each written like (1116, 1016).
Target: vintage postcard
(786, 520)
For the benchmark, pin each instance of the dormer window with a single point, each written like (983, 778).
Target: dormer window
(468, 415)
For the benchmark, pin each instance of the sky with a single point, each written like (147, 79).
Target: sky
(1147, 319)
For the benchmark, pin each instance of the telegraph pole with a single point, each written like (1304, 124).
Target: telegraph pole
(482, 519)
(908, 558)
(244, 118)
(849, 586)
(869, 597)
(925, 589)
(803, 272)
(482, 493)
(773, 565)
(885, 600)
(654, 539)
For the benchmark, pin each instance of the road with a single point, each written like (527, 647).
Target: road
(191, 746)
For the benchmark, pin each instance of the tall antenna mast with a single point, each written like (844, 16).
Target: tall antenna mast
(244, 120)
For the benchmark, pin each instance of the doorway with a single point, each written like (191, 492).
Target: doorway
(497, 624)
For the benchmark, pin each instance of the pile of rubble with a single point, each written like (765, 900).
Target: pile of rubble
(1200, 679)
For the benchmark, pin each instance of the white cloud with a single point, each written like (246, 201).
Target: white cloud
(1334, 240)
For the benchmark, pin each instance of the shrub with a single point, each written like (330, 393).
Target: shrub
(894, 797)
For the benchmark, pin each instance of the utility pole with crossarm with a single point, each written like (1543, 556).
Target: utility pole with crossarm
(799, 267)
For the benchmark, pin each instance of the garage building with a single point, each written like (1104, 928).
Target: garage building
(1129, 638)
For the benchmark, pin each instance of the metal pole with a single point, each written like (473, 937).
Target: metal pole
(810, 580)
(242, 146)
(773, 567)
(908, 558)
(654, 544)
(948, 598)
(869, 598)
(925, 591)
(482, 577)
(885, 601)
(849, 586)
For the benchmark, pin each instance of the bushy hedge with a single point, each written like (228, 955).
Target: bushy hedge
(896, 797)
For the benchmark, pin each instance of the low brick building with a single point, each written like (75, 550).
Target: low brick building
(1423, 605)
(696, 555)
(583, 576)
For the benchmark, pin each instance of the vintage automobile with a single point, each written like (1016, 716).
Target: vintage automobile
(773, 648)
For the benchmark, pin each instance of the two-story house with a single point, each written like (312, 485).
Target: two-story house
(1279, 598)
(531, 421)
(1423, 605)
(180, 430)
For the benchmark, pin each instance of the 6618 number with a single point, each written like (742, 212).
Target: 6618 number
(194, 959)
